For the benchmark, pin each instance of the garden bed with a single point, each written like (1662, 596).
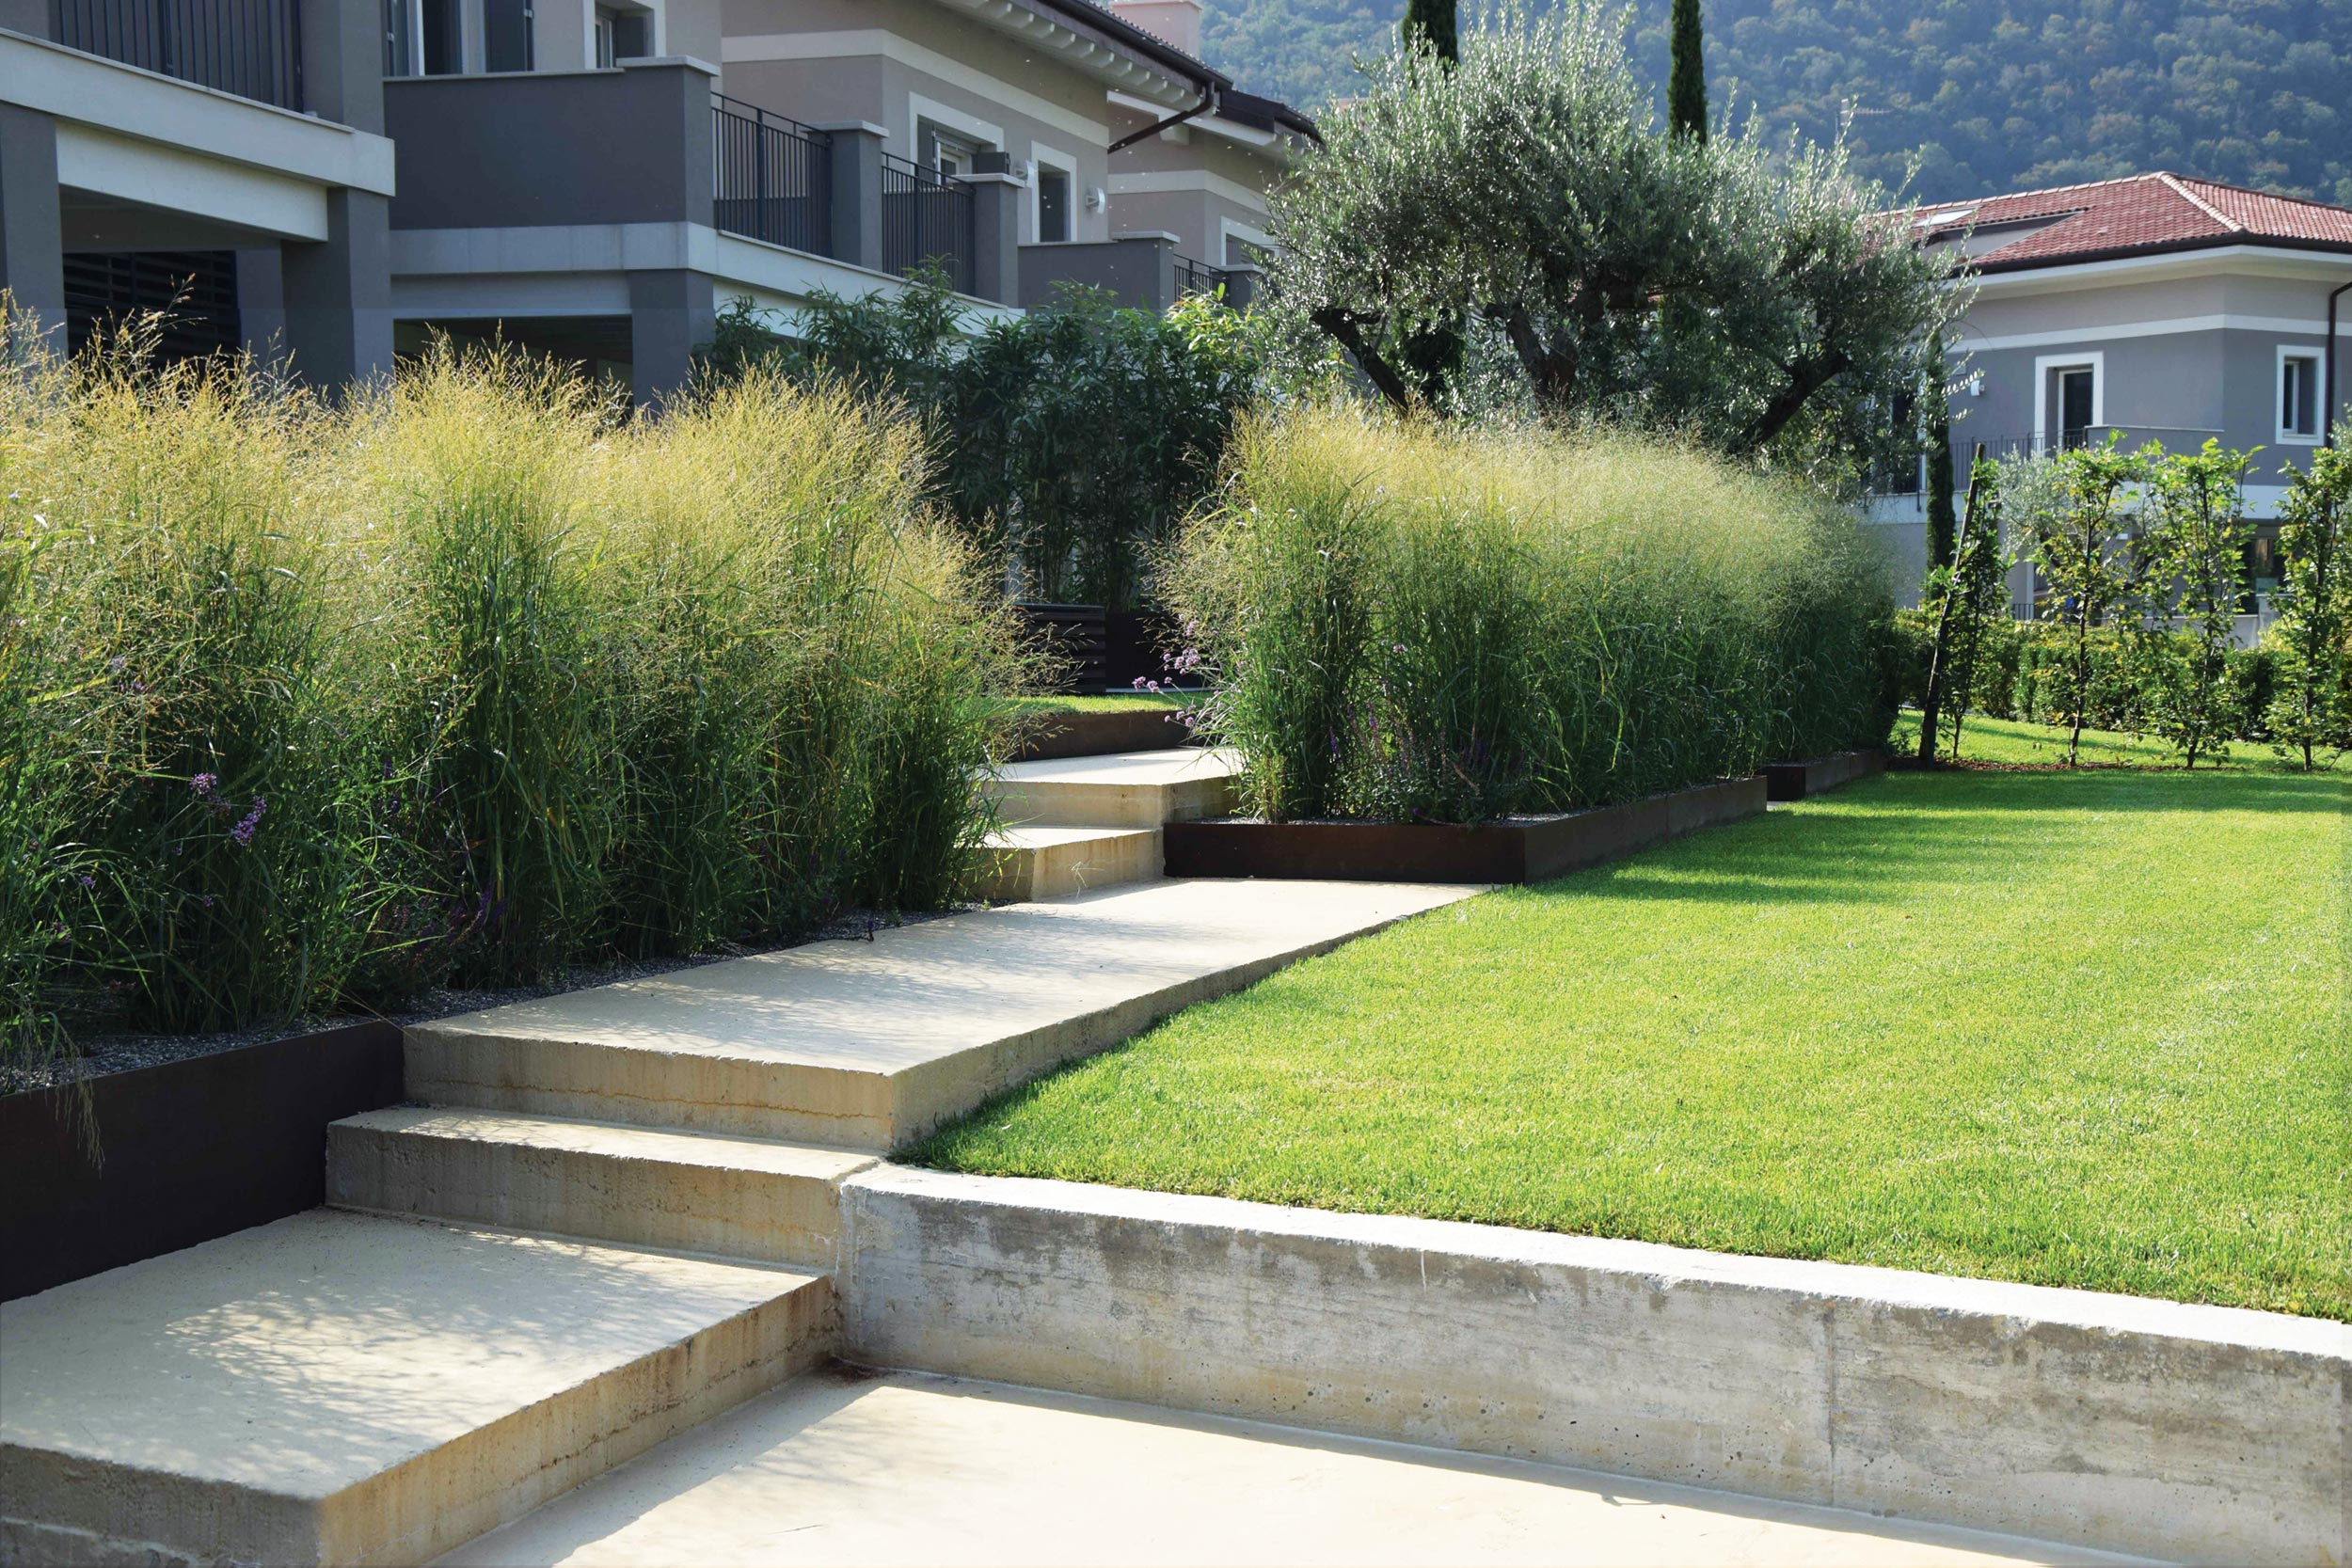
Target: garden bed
(1518, 849)
(1794, 781)
(1130, 727)
(191, 1149)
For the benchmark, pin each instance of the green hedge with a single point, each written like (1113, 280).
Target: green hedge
(471, 677)
(1413, 622)
(2020, 677)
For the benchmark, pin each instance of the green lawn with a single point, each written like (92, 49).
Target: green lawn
(2074, 1029)
(1117, 701)
(2011, 743)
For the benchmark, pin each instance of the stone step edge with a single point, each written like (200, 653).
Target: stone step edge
(379, 1162)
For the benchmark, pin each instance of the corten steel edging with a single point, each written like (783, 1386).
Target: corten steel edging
(191, 1150)
(1512, 851)
(1794, 781)
(1096, 734)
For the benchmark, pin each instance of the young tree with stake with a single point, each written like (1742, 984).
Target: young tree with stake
(2076, 551)
(2315, 600)
(2197, 528)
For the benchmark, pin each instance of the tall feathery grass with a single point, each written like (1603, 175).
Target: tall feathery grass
(308, 706)
(1421, 622)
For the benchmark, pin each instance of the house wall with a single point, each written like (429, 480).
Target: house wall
(1191, 183)
(2191, 350)
(892, 62)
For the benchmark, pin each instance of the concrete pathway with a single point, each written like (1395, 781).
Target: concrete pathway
(870, 1044)
(906, 1468)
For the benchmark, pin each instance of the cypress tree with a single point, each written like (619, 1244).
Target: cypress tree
(1433, 21)
(1686, 87)
(1941, 524)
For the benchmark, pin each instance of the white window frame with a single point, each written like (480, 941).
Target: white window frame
(1043, 158)
(919, 109)
(1227, 231)
(412, 23)
(2095, 362)
(2317, 357)
(656, 31)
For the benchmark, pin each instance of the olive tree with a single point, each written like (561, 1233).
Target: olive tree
(1727, 286)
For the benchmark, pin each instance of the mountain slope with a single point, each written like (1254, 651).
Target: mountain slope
(1992, 96)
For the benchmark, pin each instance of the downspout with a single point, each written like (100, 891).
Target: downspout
(1208, 101)
(2328, 411)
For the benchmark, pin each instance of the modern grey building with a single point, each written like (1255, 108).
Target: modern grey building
(2167, 308)
(337, 179)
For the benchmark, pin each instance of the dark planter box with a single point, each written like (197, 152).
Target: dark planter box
(1096, 734)
(1076, 636)
(192, 1149)
(1525, 849)
(1794, 781)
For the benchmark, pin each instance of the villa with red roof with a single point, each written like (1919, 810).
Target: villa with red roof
(2166, 308)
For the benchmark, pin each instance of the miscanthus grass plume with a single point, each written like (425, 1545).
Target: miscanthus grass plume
(471, 675)
(1410, 620)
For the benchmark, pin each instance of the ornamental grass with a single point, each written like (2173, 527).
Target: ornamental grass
(1411, 621)
(475, 674)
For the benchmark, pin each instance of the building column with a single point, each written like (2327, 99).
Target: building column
(855, 175)
(338, 294)
(1243, 283)
(995, 229)
(32, 239)
(670, 314)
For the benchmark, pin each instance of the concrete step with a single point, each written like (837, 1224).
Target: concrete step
(340, 1388)
(1127, 789)
(1045, 863)
(695, 1192)
(846, 1467)
(868, 1045)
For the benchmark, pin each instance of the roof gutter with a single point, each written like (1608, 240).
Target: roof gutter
(1208, 101)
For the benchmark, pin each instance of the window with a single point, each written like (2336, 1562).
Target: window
(421, 39)
(1053, 204)
(2075, 389)
(621, 36)
(2298, 394)
(937, 147)
(506, 43)
(2068, 400)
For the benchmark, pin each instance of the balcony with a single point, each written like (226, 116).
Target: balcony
(926, 221)
(251, 48)
(774, 177)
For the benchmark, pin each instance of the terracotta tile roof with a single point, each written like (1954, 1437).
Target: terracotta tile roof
(2146, 213)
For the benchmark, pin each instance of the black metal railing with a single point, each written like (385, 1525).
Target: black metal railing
(925, 218)
(252, 48)
(774, 177)
(1196, 277)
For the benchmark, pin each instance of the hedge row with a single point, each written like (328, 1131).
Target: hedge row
(1411, 621)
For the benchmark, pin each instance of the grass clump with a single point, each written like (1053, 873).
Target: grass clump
(471, 677)
(2007, 1026)
(1411, 621)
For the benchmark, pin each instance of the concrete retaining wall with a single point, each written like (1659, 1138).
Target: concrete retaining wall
(2180, 1432)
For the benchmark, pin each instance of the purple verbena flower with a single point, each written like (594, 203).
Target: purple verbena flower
(203, 783)
(242, 831)
(87, 881)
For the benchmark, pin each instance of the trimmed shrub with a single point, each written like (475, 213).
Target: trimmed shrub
(1416, 621)
(471, 678)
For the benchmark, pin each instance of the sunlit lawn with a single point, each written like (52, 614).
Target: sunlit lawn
(2074, 1029)
(2012, 743)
